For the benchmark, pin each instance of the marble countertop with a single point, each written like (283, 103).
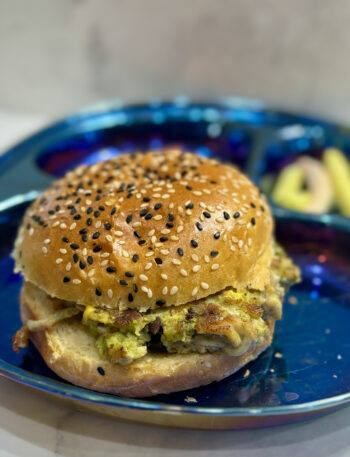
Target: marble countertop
(33, 425)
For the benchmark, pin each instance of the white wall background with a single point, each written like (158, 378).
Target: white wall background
(59, 55)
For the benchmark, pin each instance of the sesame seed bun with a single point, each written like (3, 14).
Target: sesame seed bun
(70, 351)
(146, 230)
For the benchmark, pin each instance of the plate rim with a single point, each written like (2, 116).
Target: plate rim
(63, 389)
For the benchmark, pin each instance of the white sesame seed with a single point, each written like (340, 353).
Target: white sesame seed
(174, 238)
(144, 289)
(164, 251)
(180, 209)
(63, 251)
(211, 209)
(180, 229)
(194, 257)
(165, 290)
(203, 205)
(215, 266)
(219, 219)
(183, 272)
(47, 241)
(204, 285)
(176, 262)
(194, 291)
(59, 260)
(98, 224)
(44, 249)
(88, 202)
(198, 193)
(153, 239)
(76, 281)
(164, 276)
(105, 254)
(158, 245)
(91, 273)
(84, 251)
(165, 231)
(118, 233)
(63, 225)
(249, 225)
(136, 224)
(174, 290)
(207, 191)
(110, 293)
(151, 232)
(143, 278)
(104, 263)
(55, 224)
(109, 238)
(138, 195)
(148, 266)
(31, 231)
(158, 217)
(250, 241)
(156, 195)
(245, 249)
(206, 259)
(149, 254)
(149, 293)
(171, 205)
(72, 226)
(196, 268)
(165, 196)
(188, 212)
(232, 248)
(240, 244)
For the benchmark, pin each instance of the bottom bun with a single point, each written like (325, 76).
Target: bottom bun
(69, 350)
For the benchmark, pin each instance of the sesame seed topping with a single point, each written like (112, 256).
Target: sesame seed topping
(252, 220)
(47, 241)
(165, 290)
(206, 214)
(199, 226)
(66, 279)
(174, 290)
(206, 259)
(236, 214)
(194, 243)
(164, 276)
(215, 266)
(158, 217)
(204, 285)
(217, 235)
(44, 250)
(135, 258)
(148, 266)
(98, 292)
(176, 261)
(196, 268)
(143, 278)
(194, 291)
(76, 281)
(59, 260)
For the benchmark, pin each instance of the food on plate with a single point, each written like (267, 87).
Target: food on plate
(150, 273)
(313, 186)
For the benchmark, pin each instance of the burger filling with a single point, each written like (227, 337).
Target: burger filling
(230, 320)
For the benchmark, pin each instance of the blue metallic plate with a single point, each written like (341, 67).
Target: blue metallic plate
(305, 373)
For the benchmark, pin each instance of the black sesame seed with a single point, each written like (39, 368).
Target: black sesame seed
(237, 214)
(65, 239)
(160, 302)
(189, 206)
(95, 235)
(51, 211)
(158, 261)
(89, 221)
(226, 215)
(75, 258)
(146, 199)
(206, 214)
(98, 292)
(98, 198)
(83, 230)
(97, 248)
(66, 279)
(157, 206)
(84, 238)
(171, 217)
(128, 218)
(101, 371)
(169, 225)
(194, 243)
(96, 213)
(148, 216)
(101, 208)
(217, 235)
(180, 251)
(130, 298)
(143, 212)
(262, 208)
(135, 258)
(129, 195)
(73, 211)
(113, 211)
(74, 246)
(163, 239)
(107, 225)
(82, 264)
(122, 282)
(189, 187)
(77, 217)
(136, 233)
(141, 242)
(90, 260)
(199, 226)
(128, 274)
(252, 220)
(252, 205)
(214, 253)
(57, 208)
(89, 210)
(110, 269)
(135, 288)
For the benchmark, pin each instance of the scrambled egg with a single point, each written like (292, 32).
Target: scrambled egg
(230, 321)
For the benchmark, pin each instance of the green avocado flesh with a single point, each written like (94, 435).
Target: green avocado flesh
(230, 321)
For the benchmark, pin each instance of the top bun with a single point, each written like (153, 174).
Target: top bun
(145, 230)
